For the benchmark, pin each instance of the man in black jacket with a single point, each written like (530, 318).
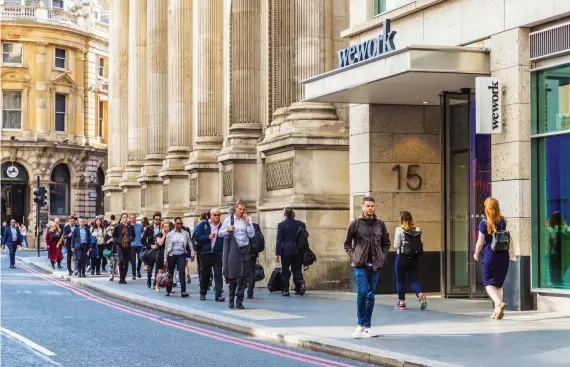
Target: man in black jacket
(81, 238)
(288, 254)
(124, 235)
(149, 239)
(67, 234)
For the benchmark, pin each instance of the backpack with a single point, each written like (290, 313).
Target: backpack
(258, 241)
(301, 240)
(309, 258)
(411, 244)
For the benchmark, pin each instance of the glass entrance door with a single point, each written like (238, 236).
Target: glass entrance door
(467, 183)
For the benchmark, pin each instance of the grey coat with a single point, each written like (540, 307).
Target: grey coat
(235, 259)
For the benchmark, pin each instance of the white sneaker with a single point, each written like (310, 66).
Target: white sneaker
(358, 333)
(368, 333)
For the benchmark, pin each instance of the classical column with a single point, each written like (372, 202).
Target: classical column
(246, 115)
(304, 152)
(175, 178)
(78, 111)
(208, 106)
(138, 104)
(157, 93)
(42, 92)
(118, 99)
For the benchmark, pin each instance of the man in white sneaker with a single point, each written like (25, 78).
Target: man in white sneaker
(367, 243)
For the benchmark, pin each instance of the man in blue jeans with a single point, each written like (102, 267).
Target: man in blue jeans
(136, 248)
(367, 243)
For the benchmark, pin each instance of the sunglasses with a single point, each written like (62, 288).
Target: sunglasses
(157, 219)
(215, 215)
(178, 223)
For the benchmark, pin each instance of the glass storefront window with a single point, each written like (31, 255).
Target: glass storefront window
(552, 98)
(382, 6)
(553, 200)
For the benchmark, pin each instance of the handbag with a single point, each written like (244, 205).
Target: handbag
(164, 279)
(501, 241)
(259, 272)
(149, 255)
(107, 252)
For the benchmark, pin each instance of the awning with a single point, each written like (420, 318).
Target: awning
(411, 76)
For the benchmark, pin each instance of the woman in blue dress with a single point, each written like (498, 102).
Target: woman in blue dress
(495, 263)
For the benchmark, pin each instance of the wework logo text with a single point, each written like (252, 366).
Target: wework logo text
(368, 49)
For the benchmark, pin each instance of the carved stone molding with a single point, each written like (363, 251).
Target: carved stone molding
(279, 174)
(227, 188)
(193, 189)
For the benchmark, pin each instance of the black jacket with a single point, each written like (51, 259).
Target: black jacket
(364, 237)
(117, 234)
(286, 237)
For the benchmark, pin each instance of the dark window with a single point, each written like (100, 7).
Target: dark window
(60, 58)
(100, 205)
(12, 109)
(57, 4)
(102, 67)
(60, 113)
(100, 120)
(59, 190)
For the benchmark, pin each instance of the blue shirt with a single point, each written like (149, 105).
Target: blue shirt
(14, 234)
(83, 234)
(138, 234)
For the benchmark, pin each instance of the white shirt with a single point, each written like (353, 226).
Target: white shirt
(242, 231)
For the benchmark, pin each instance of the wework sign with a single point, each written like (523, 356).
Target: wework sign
(488, 116)
(368, 49)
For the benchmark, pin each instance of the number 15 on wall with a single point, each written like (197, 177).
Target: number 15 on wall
(413, 180)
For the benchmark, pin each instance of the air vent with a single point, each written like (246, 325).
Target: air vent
(550, 42)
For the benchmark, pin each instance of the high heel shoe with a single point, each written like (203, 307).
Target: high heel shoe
(501, 311)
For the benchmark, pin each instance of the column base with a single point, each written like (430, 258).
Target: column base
(175, 184)
(151, 187)
(113, 192)
(131, 189)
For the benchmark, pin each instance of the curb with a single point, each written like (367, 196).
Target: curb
(327, 346)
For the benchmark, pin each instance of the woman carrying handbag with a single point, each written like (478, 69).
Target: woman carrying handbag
(110, 252)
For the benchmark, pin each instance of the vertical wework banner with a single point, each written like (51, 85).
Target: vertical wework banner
(488, 116)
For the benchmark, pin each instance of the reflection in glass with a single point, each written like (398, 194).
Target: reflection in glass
(553, 99)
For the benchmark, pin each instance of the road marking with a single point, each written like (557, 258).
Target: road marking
(261, 314)
(27, 342)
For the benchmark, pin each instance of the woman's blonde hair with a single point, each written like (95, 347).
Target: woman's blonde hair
(493, 213)
(406, 221)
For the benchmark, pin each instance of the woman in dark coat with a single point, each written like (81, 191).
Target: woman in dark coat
(112, 259)
(53, 235)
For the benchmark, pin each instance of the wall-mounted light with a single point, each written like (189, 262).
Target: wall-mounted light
(425, 102)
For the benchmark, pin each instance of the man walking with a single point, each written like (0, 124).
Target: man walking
(236, 230)
(148, 239)
(136, 247)
(178, 247)
(211, 248)
(68, 230)
(288, 254)
(12, 238)
(81, 238)
(367, 243)
(124, 235)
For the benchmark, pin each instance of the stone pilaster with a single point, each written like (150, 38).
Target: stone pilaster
(304, 151)
(208, 97)
(118, 100)
(175, 178)
(138, 105)
(42, 93)
(78, 135)
(157, 89)
(239, 155)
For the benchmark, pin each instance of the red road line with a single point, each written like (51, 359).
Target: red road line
(196, 330)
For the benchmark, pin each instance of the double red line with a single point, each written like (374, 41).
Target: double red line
(193, 329)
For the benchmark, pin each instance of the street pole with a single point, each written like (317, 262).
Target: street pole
(38, 220)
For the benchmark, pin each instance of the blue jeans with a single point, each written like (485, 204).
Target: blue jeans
(136, 252)
(406, 267)
(366, 280)
(25, 239)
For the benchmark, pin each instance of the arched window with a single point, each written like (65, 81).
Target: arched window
(100, 205)
(59, 190)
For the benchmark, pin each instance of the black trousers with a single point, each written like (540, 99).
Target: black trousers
(251, 276)
(291, 264)
(124, 260)
(178, 261)
(100, 259)
(69, 259)
(207, 263)
(238, 285)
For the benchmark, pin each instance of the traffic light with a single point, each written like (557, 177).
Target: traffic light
(40, 196)
(45, 198)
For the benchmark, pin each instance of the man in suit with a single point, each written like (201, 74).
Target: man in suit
(287, 253)
(81, 238)
(68, 230)
(124, 235)
(12, 238)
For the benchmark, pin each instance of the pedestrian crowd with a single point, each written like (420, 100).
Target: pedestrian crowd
(228, 250)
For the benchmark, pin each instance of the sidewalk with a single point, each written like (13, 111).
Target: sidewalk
(450, 332)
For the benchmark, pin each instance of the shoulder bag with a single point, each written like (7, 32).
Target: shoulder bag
(501, 240)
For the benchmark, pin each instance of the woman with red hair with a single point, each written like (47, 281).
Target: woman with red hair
(495, 260)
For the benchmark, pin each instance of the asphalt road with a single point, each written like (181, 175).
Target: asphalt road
(49, 322)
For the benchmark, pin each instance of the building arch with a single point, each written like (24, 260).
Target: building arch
(15, 192)
(60, 190)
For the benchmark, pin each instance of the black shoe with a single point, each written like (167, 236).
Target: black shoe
(134, 278)
(202, 297)
(302, 289)
(174, 285)
(250, 296)
(148, 283)
(97, 273)
(75, 273)
(220, 299)
(70, 272)
(139, 274)
(59, 266)
(53, 266)
(92, 272)
(239, 306)
(84, 276)
(286, 294)
(231, 303)
(184, 295)
(167, 294)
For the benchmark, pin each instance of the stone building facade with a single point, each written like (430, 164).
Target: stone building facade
(54, 107)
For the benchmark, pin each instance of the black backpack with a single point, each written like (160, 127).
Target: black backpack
(301, 239)
(258, 241)
(412, 245)
(309, 258)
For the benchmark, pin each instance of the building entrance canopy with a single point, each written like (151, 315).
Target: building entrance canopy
(410, 76)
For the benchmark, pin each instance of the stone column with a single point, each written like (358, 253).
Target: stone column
(510, 158)
(79, 97)
(246, 115)
(138, 104)
(208, 106)
(118, 99)
(175, 178)
(157, 93)
(305, 139)
(42, 92)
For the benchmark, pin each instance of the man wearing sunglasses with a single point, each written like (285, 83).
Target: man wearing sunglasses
(178, 247)
(211, 250)
(148, 240)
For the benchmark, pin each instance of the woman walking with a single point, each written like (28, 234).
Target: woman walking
(53, 235)
(99, 233)
(178, 247)
(113, 257)
(407, 266)
(24, 233)
(160, 243)
(495, 263)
